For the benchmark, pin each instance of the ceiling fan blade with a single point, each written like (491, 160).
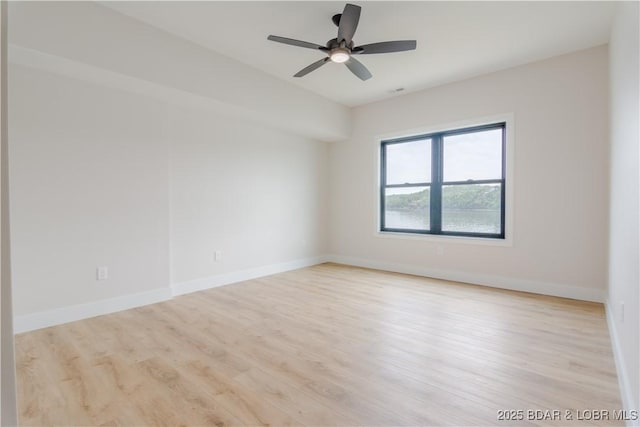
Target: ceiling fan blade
(294, 42)
(385, 47)
(348, 22)
(306, 70)
(358, 69)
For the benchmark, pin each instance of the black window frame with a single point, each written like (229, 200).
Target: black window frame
(436, 184)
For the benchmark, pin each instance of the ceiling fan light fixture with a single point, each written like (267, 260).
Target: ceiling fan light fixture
(339, 55)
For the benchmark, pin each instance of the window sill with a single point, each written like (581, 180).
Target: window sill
(438, 238)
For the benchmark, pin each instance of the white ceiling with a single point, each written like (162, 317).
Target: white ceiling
(456, 40)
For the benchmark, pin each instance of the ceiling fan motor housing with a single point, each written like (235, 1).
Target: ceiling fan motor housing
(333, 43)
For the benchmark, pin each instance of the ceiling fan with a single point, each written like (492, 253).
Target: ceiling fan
(341, 49)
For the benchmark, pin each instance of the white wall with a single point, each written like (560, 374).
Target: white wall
(624, 255)
(105, 177)
(252, 193)
(8, 407)
(560, 185)
(108, 45)
(89, 187)
(100, 103)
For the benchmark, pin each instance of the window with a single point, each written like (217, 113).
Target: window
(447, 183)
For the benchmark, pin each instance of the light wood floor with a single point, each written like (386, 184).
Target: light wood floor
(326, 345)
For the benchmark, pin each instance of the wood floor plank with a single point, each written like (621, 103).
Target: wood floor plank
(419, 344)
(325, 345)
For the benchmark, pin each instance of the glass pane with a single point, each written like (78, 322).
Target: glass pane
(409, 162)
(476, 155)
(407, 208)
(471, 208)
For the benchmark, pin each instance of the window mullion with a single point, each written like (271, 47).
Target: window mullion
(503, 193)
(436, 184)
(383, 183)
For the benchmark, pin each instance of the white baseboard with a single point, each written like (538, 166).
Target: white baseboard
(239, 276)
(71, 313)
(623, 379)
(552, 289)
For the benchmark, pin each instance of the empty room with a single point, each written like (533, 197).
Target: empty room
(320, 213)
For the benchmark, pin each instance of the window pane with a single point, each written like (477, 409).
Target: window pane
(476, 155)
(409, 162)
(471, 208)
(407, 208)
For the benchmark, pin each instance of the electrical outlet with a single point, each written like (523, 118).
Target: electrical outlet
(102, 273)
(217, 256)
(621, 311)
